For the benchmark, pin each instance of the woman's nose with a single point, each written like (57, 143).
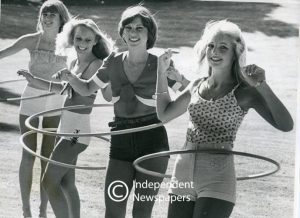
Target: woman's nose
(133, 31)
(82, 44)
(215, 50)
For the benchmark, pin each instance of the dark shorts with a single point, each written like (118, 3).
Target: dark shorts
(130, 146)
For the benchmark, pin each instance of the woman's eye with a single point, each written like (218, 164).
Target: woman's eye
(78, 39)
(52, 15)
(139, 28)
(127, 28)
(210, 46)
(223, 47)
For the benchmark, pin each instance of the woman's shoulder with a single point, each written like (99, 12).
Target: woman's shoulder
(114, 56)
(29, 40)
(117, 54)
(197, 82)
(32, 36)
(193, 85)
(96, 63)
(94, 67)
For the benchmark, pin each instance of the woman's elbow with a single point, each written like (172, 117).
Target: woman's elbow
(107, 98)
(287, 126)
(161, 116)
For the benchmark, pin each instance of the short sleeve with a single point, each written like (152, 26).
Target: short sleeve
(101, 78)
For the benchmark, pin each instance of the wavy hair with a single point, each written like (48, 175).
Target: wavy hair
(234, 32)
(147, 18)
(57, 7)
(65, 39)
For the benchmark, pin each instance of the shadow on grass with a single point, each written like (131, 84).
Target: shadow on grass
(4, 94)
(180, 23)
(5, 127)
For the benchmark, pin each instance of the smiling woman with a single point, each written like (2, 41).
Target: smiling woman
(216, 105)
(43, 63)
(132, 75)
(59, 183)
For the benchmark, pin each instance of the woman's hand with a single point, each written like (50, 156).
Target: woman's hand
(28, 76)
(253, 75)
(63, 75)
(164, 61)
(173, 73)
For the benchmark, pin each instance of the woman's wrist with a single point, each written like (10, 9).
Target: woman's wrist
(181, 78)
(161, 92)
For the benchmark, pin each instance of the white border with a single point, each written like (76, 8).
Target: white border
(297, 148)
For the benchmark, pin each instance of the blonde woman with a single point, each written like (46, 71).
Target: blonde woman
(91, 46)
(216, 105)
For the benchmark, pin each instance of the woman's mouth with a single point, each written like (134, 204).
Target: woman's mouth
(48, 23)
(215, 59)
(134, 39)
(81, 48)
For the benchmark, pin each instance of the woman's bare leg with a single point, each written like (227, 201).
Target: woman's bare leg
(26, 165)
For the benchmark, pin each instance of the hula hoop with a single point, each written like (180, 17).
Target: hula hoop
(53, 161)
(12, 81)
(131, 130)
(20, 98)
(213, 151)
(26, 98)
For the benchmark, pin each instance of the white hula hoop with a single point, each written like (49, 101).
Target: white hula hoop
(53, 161)
(118, 132)
(20, 98)
(211, 151)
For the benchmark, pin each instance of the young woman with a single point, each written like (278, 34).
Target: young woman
(216, 105)
(91, 46)
(132, 75)
(43, 63)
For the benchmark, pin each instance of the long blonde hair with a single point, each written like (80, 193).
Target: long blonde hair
(234, 32)
(65, 39)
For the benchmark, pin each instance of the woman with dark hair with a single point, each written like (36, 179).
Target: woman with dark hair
(43, 63)
(132, 75)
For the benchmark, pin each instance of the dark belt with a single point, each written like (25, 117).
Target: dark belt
(121, 121)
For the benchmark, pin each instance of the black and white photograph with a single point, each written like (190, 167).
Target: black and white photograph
(149, 109)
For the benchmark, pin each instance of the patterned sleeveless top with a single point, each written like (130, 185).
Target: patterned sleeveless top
(44, 63)
(213, 121)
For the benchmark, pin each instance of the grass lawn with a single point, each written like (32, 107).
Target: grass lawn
(273, 43)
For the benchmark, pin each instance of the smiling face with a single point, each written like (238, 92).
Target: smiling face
(50, 20)
(135, 34)
(84, 40)
(220, 51)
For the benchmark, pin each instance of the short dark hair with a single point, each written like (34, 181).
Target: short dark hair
(147, 18)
